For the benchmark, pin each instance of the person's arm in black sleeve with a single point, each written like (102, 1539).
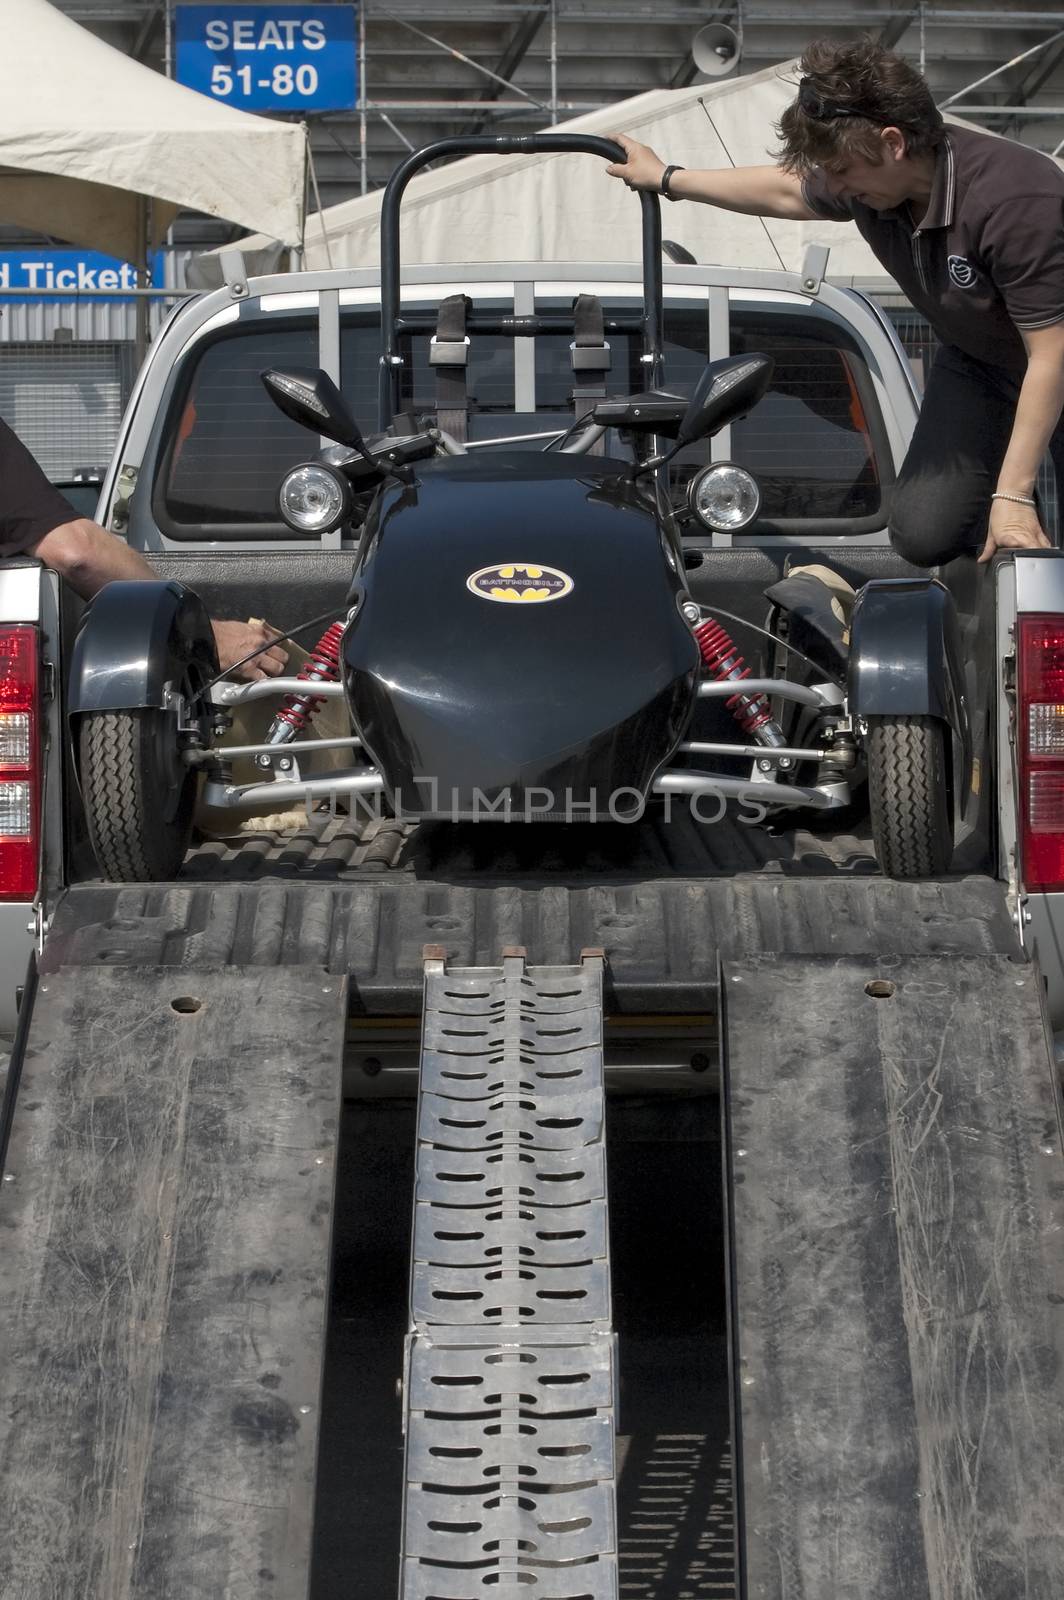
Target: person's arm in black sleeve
(36, 520)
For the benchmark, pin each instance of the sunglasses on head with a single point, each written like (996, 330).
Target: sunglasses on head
(819, 109)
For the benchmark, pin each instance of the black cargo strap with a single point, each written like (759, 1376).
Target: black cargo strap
(449, 354)
(591, 356)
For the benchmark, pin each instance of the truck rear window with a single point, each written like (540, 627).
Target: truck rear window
(815, 443)
(228, 445)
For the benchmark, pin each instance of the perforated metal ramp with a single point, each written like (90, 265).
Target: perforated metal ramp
(509, 1486)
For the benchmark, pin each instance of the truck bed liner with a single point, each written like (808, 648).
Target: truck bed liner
(335, 849)
(663, 934)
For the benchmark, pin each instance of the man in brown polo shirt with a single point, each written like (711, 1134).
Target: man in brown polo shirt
(972, 228)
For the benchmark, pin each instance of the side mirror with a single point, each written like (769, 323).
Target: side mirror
(311, 398)
(727, 389)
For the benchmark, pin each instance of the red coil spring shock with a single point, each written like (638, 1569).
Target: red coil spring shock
(321, 666)
(721, 657)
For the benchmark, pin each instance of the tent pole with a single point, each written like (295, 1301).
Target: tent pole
(553, 61)
(321, 213)
(363, 128)
(143, 310)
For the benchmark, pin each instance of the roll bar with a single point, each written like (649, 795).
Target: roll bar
(508, 145)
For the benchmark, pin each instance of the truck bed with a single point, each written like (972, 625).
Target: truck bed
(341, 849)
(666, 903)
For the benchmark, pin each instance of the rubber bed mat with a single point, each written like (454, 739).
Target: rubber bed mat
(664, 899)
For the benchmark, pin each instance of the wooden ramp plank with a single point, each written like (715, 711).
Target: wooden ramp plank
(896, 1194)
(164, 1254)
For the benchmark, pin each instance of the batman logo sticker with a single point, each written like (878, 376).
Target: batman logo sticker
(521, 583)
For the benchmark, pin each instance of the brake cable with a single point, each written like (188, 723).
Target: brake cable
(300, 627)
(719, 611)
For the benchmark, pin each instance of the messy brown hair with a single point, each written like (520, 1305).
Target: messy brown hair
(857, 78)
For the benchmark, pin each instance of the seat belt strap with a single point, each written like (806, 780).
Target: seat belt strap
(591, 358)
(449, 354)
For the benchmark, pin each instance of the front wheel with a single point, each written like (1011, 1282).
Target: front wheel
(908, 792)
(139, 796)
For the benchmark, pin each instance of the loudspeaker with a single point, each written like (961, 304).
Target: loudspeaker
(715, 50)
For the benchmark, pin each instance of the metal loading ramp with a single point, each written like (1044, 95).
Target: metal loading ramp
(510, 1489)
(895, 1184)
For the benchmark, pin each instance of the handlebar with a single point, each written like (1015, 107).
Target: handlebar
(507, 144)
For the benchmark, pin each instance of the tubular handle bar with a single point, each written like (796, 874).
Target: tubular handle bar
(508, 145)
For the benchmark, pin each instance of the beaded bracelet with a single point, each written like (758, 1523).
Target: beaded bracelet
(1019, 499)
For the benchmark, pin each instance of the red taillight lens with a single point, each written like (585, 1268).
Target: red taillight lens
(20, 771)
(1040, 749)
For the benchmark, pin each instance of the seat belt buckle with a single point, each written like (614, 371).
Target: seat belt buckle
(448, 352)
(590, 357)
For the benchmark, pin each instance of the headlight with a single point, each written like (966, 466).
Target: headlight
(314, 499)
(724, 497)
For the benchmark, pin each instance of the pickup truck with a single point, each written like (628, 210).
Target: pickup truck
(843, 1380)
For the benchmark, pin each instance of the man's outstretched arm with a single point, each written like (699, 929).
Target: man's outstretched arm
(755, 191)
(87, 557)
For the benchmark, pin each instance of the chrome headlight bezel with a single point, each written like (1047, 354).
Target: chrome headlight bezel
(336, 506)
(743, 480)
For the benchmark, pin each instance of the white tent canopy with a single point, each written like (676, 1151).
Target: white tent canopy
(564, 208)
(87, 134)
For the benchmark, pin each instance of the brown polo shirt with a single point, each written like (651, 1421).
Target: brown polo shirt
(29, 506)
(988, 257)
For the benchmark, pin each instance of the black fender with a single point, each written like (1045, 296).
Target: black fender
(137, 637)
(906, 660)
(821, 620)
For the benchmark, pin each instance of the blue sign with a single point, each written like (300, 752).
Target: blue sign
(269, 58)
(38, 273)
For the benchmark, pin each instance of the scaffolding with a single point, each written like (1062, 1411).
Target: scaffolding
(431, 69)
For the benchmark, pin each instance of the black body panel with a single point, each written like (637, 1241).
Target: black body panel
(464, 701)
(135, 638)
